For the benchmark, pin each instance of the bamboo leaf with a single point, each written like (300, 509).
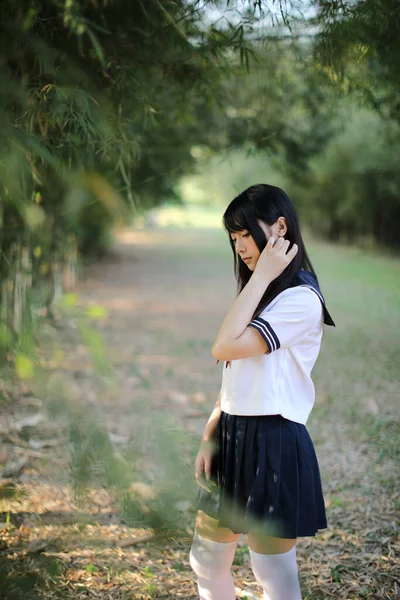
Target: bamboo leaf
(171, 21)
(97, 47)
(106, 194)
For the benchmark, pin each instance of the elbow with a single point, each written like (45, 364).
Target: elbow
(219, 352)
(214, 352)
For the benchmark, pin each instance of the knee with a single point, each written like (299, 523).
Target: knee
(277, 574)
(262, 564)
(209, 559)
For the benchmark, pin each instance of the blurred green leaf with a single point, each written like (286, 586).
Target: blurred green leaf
(96, 312)
(91, 568)
(24, 366)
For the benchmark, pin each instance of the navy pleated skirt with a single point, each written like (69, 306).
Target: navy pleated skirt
(264, 475)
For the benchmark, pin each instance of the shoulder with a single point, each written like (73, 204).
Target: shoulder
(299, 300)
(299, 296)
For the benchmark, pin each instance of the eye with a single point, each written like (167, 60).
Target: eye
(244, 235)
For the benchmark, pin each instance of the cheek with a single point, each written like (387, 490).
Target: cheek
(255, 253)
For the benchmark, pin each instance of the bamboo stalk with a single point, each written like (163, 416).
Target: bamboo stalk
(69, 263)
(17, 290)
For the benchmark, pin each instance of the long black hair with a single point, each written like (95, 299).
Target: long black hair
(267, 203)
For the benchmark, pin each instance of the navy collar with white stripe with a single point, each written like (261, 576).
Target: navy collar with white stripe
(307, 278)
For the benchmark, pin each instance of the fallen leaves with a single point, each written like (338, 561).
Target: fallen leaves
(356, 558)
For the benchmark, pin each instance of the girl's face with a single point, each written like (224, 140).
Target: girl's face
(245, 245)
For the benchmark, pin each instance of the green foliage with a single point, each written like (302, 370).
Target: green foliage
(282, 108)
(147, 572)
(115, 88)
(359, 44)
(222, 176)
(91, 569)
(99, 113)
(352, 191)
(7, 491)
(145, 496)
(22, 578)
(241, 556)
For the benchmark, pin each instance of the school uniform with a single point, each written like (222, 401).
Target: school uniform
(265, 471)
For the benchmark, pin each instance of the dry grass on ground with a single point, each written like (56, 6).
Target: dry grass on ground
(166, 293)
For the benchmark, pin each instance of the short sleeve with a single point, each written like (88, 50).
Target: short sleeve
(290, 319)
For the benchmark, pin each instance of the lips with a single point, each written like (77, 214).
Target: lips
(247, 259)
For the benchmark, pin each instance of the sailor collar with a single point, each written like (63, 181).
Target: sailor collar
(308, 279)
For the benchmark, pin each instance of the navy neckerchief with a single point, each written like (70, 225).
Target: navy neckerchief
(308, 278)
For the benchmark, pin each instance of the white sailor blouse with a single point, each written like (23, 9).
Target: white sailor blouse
(279, 382)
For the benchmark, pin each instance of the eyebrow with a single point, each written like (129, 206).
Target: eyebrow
(235, 232)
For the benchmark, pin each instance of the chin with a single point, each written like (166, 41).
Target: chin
(253, 265)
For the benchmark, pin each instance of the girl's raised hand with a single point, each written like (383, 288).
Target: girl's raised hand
(275, 257)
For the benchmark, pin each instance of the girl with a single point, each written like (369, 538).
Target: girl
(257, 468)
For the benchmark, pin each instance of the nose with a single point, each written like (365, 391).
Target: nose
(240, 246)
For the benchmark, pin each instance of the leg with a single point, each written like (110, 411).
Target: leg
(273, 561)
(211, 557)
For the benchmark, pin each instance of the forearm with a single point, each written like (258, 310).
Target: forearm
(240, 313)
(211, 426)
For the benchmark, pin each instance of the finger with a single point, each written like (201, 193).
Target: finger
(199, 464)
(204, 487)
(271, 242)
(199, 469)
(292, 252)
(280, 243)
(201, 484)
(207, 470)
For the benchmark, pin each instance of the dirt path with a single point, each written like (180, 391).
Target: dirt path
(162, 296)
(166, 293)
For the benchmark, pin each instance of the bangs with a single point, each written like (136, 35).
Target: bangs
(235, 218)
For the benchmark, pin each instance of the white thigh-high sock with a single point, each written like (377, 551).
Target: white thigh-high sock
(277, 574)
(212, 561)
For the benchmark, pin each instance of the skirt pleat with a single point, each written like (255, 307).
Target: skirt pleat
(265, 474)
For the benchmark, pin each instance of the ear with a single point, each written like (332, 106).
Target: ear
(281, 226)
